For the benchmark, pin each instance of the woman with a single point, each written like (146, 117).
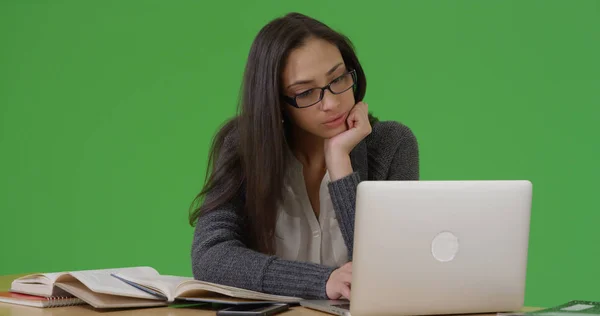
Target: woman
(276, 214)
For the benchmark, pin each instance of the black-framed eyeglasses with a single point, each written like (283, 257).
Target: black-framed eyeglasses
(312, 96)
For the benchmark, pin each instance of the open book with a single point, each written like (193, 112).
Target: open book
(135, 287)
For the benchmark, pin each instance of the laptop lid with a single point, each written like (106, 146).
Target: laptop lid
(440, 247)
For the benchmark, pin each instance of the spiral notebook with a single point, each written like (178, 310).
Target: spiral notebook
(38, 301)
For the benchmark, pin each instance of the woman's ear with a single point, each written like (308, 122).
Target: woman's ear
(284, 115)
(285, 118)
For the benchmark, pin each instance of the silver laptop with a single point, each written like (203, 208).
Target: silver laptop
(437, 247)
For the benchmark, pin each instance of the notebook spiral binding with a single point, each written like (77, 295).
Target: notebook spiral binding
(62, 301)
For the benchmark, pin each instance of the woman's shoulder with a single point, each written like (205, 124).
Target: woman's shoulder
(390, 135)
(228, 134)
(391, 145)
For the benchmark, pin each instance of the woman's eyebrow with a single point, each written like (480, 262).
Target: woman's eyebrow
(329, 72)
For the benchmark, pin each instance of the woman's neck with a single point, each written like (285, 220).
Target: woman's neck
(308, 149)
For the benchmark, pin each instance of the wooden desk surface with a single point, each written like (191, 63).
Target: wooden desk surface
(18, 310)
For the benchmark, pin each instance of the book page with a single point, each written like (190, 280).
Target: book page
(191, 287)
(101, 281)
(99, 300)
(176, 286)
(165, 284)
(209, 297)
(40, 278)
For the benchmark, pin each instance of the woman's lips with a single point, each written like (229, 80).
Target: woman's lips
(336, 121)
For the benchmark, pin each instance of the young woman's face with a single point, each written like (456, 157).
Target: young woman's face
(315, 65)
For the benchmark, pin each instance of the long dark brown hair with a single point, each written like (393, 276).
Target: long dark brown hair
(247, 158)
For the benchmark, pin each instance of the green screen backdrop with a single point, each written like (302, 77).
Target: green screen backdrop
(107, 109)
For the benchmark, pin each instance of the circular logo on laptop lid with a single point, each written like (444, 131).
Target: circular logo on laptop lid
(444, 246)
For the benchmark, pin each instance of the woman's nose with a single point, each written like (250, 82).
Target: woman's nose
(330, 101)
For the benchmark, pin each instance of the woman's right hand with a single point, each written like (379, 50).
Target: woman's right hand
(339, 283)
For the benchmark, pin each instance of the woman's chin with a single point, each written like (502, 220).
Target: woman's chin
(332, 132)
